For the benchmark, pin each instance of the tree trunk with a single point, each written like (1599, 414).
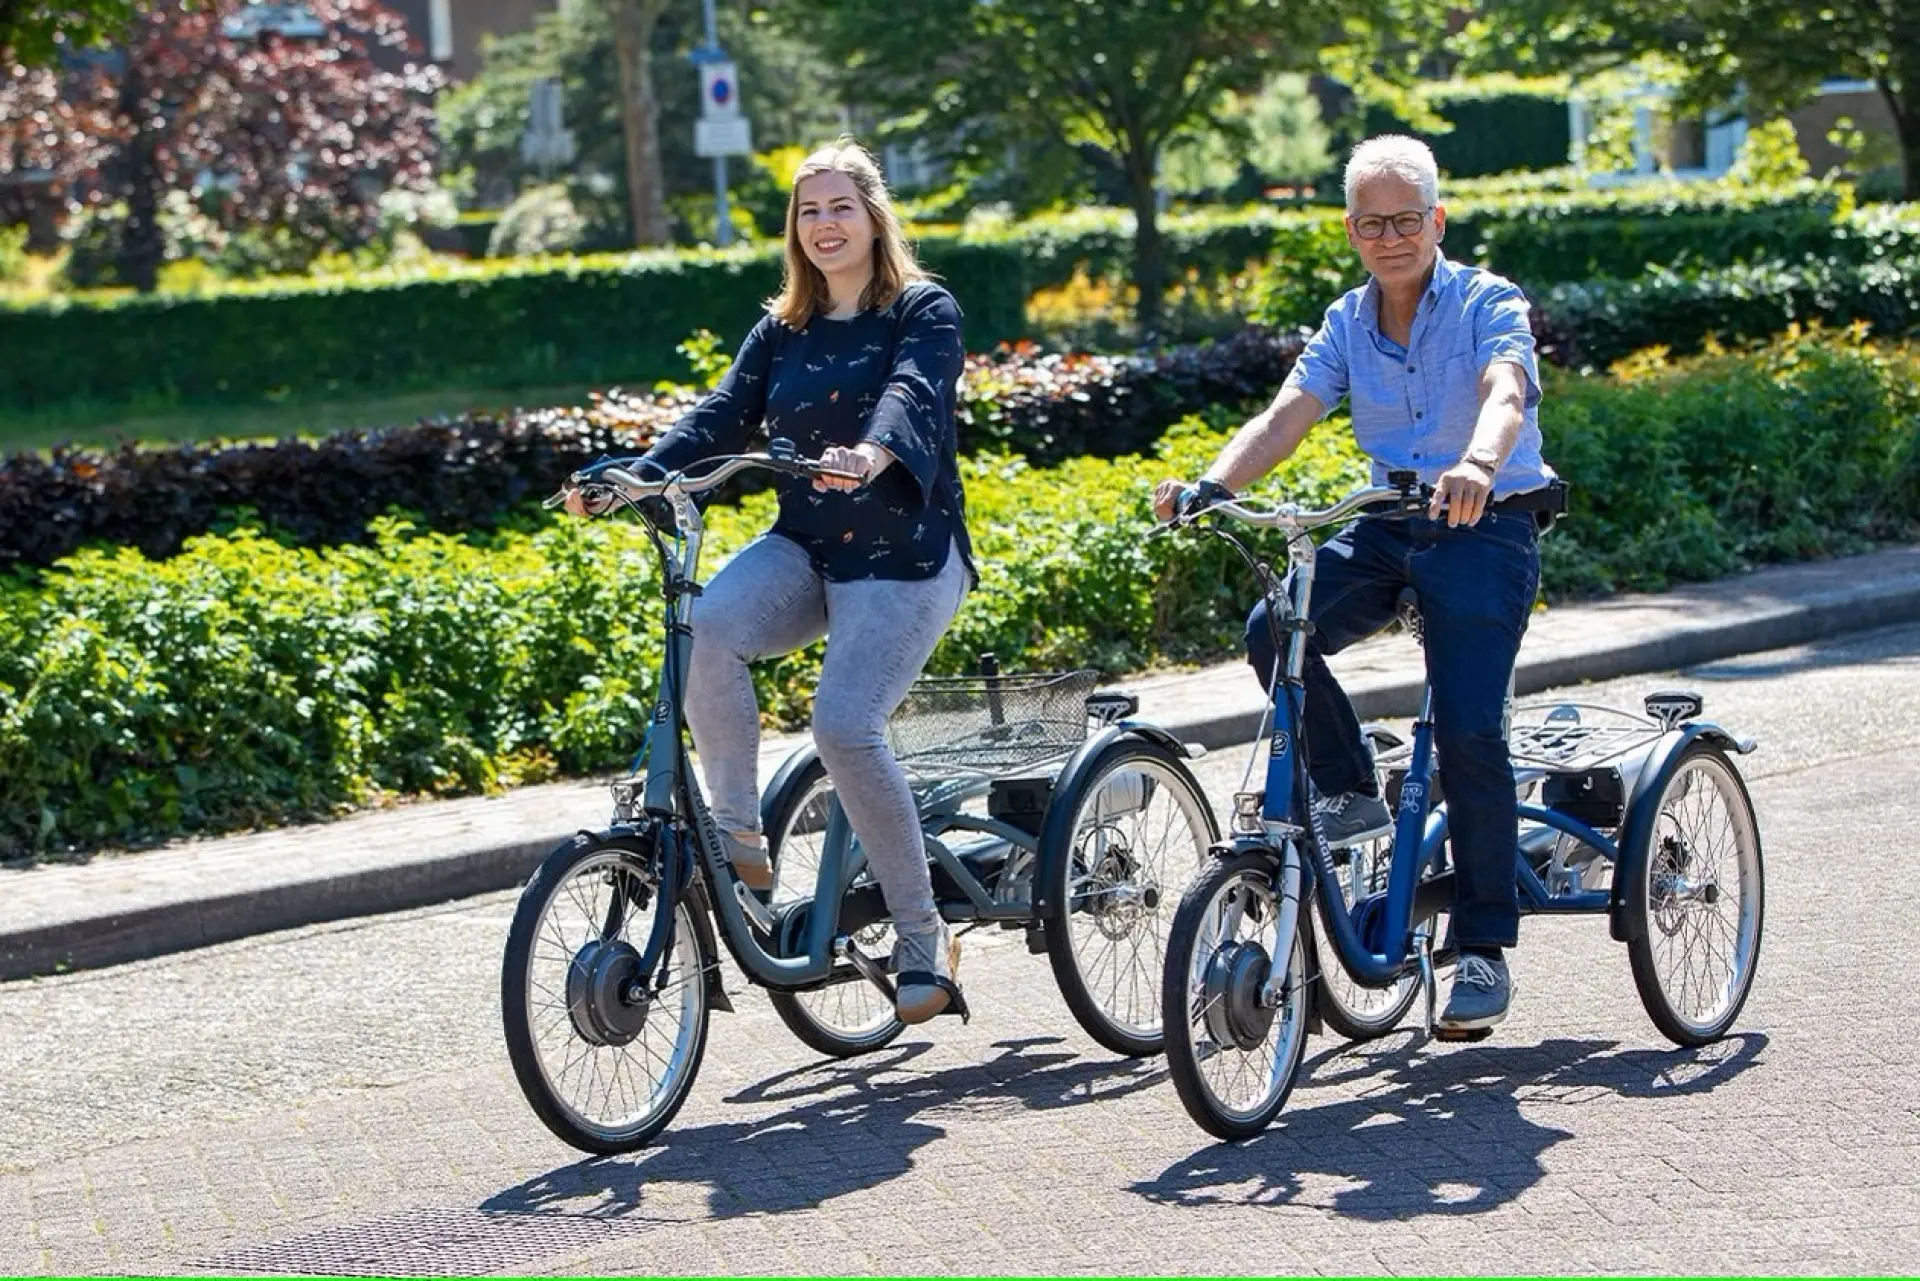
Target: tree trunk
(634, 21)
(1905, 104)
(1149, 251)
(1909, 126)
(141, 247)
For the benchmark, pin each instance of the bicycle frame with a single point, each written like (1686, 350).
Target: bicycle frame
(940, 814)
(1420, 830)
(672, 800)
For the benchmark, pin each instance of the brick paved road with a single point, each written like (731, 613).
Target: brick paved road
(336, 1099)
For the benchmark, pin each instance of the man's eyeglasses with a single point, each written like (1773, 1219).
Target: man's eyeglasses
(1406, 223)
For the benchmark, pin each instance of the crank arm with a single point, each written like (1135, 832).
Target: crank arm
(846, 949)
(756, 911)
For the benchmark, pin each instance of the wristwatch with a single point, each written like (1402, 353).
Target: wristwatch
(1486, 460)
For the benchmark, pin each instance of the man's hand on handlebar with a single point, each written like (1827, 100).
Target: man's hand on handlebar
(1173, 498)
(1464, 491)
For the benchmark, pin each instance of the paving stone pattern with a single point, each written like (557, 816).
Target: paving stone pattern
(336, 1099)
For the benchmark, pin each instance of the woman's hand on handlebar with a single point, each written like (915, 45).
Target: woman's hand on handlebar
(586, 500)
(861, 463)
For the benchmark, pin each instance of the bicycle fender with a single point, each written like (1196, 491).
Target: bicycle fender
(1165, 737)
(1056, 836)
(1635, 837)
(798, 759)
(700, 908)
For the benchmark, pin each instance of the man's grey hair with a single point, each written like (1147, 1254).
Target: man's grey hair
(1396, 154)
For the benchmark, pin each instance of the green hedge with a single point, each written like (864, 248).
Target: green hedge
(245, 682)
(617, 318)
(605, 319)
(1600, 321)
(1492, 133)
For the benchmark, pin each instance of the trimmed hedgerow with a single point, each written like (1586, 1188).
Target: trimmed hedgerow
(617, 318)
(1602, 320)
(465, 473)
(245, 681)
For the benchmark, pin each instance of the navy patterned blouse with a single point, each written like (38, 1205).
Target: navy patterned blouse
(886, 376)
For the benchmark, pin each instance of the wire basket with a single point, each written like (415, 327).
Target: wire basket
(990, 724)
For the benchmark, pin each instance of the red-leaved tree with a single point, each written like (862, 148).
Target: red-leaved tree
(289, 126)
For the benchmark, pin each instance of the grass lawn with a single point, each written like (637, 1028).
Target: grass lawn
(110, 425)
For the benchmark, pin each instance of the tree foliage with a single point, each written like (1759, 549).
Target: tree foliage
(784, 92)
(35, 35)
(288, 137)
(1127, 77)
(1767, 55)
(1275, 134)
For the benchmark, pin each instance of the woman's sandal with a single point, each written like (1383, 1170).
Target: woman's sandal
(751, 863)
(938, 994)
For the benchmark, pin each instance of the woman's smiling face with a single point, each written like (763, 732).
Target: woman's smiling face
(832, 223)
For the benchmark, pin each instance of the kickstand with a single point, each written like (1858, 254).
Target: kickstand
(1429, 985)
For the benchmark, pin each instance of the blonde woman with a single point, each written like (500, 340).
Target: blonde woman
(856, 362)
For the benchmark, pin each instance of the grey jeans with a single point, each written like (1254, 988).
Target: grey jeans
(769, 600)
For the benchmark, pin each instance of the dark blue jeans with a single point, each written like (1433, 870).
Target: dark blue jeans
(1477, 586)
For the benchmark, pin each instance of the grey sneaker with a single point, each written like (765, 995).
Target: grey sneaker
(1481, 994)
(1352, 817)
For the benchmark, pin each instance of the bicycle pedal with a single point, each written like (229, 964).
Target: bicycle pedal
(1461, 1034)
(1036, 940)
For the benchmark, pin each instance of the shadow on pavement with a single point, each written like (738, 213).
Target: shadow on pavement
(843, 1127)
(1439, 1133)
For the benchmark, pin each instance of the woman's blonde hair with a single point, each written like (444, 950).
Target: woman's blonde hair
(803, 287)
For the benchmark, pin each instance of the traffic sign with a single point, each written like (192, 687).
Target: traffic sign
(723, 136)
(719, 90)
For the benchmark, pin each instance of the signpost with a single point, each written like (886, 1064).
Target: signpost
(721, 130)
(547, 143)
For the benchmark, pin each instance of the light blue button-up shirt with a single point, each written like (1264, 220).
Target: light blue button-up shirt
(1415, 407)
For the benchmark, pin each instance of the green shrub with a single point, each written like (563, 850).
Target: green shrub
(244, 682)
(1692, 469)
(1560, 178)
(508, 323)
(1541, 238)
(13, 254)
(1538, 253)
(541, 221)
(1493, 133)
(458, 474)
(1600, 321)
